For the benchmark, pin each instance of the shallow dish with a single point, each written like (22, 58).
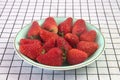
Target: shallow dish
(22, 34)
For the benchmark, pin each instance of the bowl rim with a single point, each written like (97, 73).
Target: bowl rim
(57, 67)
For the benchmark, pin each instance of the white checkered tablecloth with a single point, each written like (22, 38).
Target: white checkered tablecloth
(104, 14)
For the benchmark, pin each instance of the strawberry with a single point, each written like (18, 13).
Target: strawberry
(75, 56)
(52, 58)
(50, 25)
(46, 35)
(30, 50)
(29, 41)
(65, 27)
(88, 47)
(72, 39)
(88, 36)
(34, 30)
(63, 44)
(79, 27)
(49, 44)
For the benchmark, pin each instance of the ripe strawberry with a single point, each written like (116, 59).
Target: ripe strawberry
(49, 44)
(75, 56)
(29, 41)
(72, 39)
(52, 58)
(34, 30)
(88, 47)
(79, 27)
(63, 44)
(30, 50)
(50, 25)
(65, 27)
(46, 35)
(88, 36)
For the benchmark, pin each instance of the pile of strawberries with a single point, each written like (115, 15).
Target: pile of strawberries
(54, 45)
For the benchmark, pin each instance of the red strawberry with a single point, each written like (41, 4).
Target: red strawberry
(30, 50)
(52, 58)
(88, 47)
(88, 36)
(29, 41)
(63, 44)
(65, 27)
(72, 39)
(49, 44)
(34, 30)
(50, 24)
(75, 56)
(79, 27)
(46, 35)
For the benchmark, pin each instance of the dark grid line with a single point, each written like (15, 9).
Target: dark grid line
(88, 11)
(49, 15)
(65, 9)
(76, 16)
(42, 9)
(61, 12)
(50, 7)
(85, 66)
(21, 28)
(42, 75)
(4, 7)
(80, 9)
(111, 41)
(75, 74)
(8, 37)
(7, 19)
(97, 14)
(73, 17)
(10, 66)
(94, 24)
(114, 18)
(32, 20)
(64, 75)
(118, 4)
(86, 72)
(53, 73)
(60, 2)
(41, 18)
(72, 8)
(107, 65)
(110, 35)
(100, 29)
(115, 48)
(57, 8)
(64, 16)
(57, 74)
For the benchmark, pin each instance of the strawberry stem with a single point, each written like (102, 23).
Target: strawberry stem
(61, 34)
(43, 51)
(34, 37)
(64, 54)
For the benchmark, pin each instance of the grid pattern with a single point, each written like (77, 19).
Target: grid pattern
(15, 14)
